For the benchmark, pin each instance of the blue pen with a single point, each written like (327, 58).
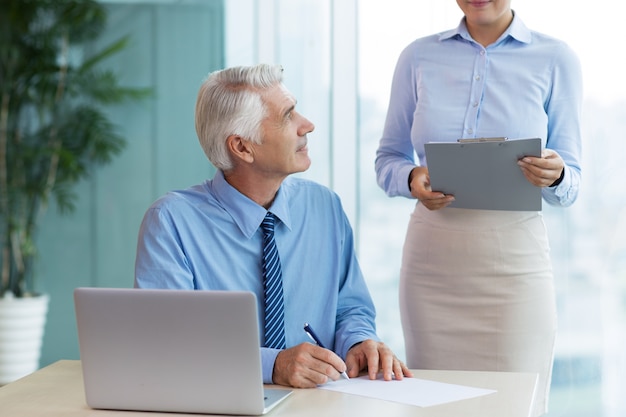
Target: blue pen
(309, 330)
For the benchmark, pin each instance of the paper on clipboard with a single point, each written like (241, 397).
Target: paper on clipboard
(484, 174)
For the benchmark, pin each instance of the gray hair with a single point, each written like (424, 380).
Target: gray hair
(229, 103)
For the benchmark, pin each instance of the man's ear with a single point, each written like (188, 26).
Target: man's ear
(240, 148)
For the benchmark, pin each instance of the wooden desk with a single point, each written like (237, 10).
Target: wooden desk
(57, 391)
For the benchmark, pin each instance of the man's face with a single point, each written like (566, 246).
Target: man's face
(283, 150)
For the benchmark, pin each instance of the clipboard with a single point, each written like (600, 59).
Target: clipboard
(483, 173)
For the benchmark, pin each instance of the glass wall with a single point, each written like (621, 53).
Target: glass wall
(339, 57)
(587, 240)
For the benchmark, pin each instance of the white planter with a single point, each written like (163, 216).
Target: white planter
(22, 322)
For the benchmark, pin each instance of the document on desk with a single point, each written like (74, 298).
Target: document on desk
(412, 391)
(483, 173)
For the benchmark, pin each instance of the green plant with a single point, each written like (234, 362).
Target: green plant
(53, 127)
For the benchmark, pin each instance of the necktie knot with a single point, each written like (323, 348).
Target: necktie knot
(268, 224)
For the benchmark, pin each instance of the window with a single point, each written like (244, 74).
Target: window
(339, 56)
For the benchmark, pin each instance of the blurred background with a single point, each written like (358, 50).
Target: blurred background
(339, 56)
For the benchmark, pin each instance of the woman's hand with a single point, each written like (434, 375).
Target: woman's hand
(419, 183)
(544, 171)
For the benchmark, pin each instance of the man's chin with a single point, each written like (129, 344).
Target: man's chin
(303, 166)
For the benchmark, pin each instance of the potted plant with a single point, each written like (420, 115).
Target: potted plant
(53, 132)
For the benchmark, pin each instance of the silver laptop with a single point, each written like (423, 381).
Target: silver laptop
(172, 351)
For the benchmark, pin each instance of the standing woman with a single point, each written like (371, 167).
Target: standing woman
(476, 286)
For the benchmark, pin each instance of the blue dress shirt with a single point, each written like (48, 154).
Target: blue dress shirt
(207, 237)
(447, 86)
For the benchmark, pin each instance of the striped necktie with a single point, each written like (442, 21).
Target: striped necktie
(273, 287)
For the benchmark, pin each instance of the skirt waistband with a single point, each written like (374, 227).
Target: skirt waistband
(470, 219)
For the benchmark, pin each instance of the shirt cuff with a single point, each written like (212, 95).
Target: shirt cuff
(352, 341)
(268, 358)
(405, 172)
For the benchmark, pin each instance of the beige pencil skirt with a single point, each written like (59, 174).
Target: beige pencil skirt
(477, 293)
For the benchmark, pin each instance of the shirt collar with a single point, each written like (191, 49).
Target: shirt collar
(516, 30)
(246, 213)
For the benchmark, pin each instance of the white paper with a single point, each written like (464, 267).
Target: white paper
(412, 391)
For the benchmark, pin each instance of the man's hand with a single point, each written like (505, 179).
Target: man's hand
(375, 357)
(307, 366)
(544, 171)
(420, 188)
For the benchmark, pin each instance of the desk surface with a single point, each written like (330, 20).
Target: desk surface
(57, 391)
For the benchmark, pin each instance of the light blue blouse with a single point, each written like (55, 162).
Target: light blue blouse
(447, 86)
(207, 237)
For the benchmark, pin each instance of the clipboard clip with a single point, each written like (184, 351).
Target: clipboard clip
(474, 140)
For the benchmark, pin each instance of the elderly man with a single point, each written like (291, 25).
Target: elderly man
(254, 227)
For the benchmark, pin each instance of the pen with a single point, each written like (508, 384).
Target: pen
(309, 330)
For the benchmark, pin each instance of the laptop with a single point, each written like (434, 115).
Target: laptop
(172, 351)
